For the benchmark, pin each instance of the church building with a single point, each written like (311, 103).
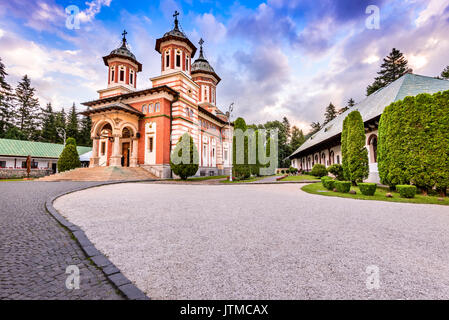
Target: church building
(140, 128)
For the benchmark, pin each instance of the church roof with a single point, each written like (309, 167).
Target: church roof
(201, 65)
(373, 106)
(175, 34)
(123, 52)
(115, 106)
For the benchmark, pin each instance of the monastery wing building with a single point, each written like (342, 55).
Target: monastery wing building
(324, 147)
(132, 128)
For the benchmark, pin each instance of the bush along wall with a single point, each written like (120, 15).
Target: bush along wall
(319, 171)
(185, 165)
(414, 142)
(69, 158)
(406, 191)
(354, 152)
(367, 189)
(343, 186)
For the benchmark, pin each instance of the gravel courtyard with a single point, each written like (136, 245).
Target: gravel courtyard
(264, 242)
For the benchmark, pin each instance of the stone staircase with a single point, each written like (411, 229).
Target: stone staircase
(101, 174)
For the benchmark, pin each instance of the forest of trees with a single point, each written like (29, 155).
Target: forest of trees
(23, 118)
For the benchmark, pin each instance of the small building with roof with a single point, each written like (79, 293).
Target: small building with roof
(139, 128)
(44, 157)
(324, 147)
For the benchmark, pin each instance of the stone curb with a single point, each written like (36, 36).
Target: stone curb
(113, 274)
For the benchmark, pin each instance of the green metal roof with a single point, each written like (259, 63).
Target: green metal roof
(17, 148)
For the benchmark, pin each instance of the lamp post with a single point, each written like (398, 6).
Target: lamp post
(62, 133)
(231, 149)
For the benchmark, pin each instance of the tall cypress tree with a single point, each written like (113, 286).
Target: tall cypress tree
(394, 66)
(6, 102)
(27, 108)
(72, 124)
(355, 166)
(48, 132)
(330, 114)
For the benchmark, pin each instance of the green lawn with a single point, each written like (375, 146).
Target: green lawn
(12, 180)
(244, 181)
(317, 188)
(302, 177)
(207, 178)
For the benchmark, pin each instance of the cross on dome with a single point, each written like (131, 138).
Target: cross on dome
(124, 38)
(176, 19)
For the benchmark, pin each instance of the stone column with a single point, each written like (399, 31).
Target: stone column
(116, 157)
(94, 160)
(134, 154)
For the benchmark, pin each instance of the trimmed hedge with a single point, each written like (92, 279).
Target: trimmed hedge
(343, 186)
(413, 144)
(242, 171)
(368, 189)
(328, 183)
(189, 164)
(319, 171)
(406, 191)
(69, 158)
(354, 152)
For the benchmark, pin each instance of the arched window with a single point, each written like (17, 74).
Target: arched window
(372, 143)
(122, 73)
(167, 59)
(112, 74)
(157, 107)
(150, 108)
(323, 158)
(178, 58)
(331, 158)
(131, 77)
(144, 109)
(316, 159)
(187, 63)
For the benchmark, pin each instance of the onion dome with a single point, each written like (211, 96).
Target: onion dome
(123, 52)
(201, 65)
(175, 34)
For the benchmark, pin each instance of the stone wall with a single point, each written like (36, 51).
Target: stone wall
(22, 173)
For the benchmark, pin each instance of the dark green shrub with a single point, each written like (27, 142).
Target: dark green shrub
(343, 186)
(368, 189)
(354, 152)
(319, 170)
(413, 142)
(406, 191)
(241, 169)
(185, 165)
(328, 183)
(69, 158)
(337, 171)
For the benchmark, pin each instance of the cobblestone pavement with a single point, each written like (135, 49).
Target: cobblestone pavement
(265, 242)
(35, 250)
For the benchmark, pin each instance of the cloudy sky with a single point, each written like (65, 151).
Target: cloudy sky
(276, 58)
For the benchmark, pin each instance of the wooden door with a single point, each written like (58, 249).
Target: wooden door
(125, 149)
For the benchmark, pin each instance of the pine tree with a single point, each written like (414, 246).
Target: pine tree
(6, 105)
(349, 105)
(394, 66)
(316, 126)
(60, 123)
(48, 132)
(297, 138)
(27, 108)
(330, 114)
(72, 124)
(86, 127)
(445, 73)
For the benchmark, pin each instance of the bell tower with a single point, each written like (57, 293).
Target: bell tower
(122, 70)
